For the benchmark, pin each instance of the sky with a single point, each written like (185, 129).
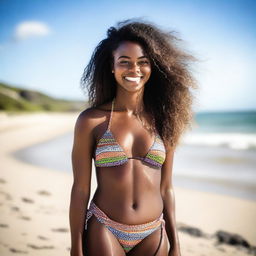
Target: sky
(46, 44)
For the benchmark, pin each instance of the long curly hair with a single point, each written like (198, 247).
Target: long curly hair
(167, 96)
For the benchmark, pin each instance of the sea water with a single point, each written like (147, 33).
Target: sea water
(219, 154)
(236, 130)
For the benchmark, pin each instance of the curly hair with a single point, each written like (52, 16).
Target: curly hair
(167, 96)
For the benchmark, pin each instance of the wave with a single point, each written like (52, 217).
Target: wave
(238, 141)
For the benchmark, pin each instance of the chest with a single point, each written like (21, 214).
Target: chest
(129, 133)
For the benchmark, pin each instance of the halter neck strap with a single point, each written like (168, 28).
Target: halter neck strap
(111, 114)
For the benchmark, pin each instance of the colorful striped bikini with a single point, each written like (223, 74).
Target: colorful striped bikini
(127, 235)
(109, 153)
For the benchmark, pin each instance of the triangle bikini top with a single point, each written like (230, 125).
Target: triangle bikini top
(109, 153)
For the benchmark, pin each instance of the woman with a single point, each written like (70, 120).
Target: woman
(138, 81)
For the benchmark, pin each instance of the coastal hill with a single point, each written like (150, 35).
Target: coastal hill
(20, 99)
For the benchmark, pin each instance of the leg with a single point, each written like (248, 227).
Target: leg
(99, 241)
(151, 245)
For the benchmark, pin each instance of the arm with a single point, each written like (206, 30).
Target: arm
(80, 193)
(167, 193)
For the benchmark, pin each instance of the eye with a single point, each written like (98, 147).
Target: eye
(124, 62)
(144, 62)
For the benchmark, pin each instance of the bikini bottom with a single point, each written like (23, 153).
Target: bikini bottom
(127, 235)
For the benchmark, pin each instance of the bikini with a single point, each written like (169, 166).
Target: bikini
(109, 153)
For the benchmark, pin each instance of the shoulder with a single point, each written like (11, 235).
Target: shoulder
(91, 117)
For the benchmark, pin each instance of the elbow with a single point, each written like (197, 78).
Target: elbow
(166, 191)
(78, 192)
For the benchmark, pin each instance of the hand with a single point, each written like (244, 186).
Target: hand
(76, 253)
(174, 253)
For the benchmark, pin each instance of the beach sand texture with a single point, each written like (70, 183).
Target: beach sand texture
(34, 201)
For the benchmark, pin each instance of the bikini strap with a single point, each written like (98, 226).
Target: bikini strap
(110, 118)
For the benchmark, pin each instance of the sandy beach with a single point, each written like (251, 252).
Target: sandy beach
(34, 201)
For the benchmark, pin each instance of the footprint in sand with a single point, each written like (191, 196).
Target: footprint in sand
(3, 244)
(62, 230)
(14, 250)
(40, 247)
(42, 237)
(25, 218)
(43, 193)
(2, 225)
(15, 208)
(27, 200)
(2, 181)
(7, 196)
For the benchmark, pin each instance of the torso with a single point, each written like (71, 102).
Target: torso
(128, 193)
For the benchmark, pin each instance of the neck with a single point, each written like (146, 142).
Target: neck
(132, 103)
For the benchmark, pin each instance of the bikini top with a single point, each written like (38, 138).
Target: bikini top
(109, 153)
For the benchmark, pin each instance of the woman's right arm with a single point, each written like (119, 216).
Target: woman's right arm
(80, 193)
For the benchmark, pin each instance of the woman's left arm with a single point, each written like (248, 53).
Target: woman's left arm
(168, 197)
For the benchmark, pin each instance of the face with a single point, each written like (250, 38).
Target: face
(131, 66)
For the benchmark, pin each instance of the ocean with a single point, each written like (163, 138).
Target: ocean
(235, 130)
(218, 155)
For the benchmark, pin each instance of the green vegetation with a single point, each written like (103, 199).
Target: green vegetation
(19, 99)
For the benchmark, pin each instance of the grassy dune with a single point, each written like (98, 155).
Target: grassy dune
(20, 99)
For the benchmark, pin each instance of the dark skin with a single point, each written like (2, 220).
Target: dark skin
(133, 193)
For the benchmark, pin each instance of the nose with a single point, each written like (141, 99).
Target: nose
(134, 67)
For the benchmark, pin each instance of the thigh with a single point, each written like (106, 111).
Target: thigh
(99, 241)
(149, 245)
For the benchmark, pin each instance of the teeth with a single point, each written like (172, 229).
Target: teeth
(133, 79)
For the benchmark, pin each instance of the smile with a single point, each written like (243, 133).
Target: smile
(133, 79)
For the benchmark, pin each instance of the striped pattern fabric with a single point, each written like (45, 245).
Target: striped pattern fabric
(109, 153)
(127, 235)
(156, 154)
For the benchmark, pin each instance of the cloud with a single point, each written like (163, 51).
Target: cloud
(30, 29)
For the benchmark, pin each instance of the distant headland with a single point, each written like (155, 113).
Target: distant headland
(15, 99)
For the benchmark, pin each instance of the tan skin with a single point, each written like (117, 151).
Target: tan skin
(133, 193)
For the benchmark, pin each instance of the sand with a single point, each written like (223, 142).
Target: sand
(34, 201)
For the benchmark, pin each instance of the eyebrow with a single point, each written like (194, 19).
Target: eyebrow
(127, 57)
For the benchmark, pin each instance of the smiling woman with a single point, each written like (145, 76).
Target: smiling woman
(138, 83)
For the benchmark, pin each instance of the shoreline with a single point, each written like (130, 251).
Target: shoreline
(34, 215)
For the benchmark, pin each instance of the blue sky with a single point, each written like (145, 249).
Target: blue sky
(45, 45)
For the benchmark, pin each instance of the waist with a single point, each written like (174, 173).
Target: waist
(99, 213)
(128, 210)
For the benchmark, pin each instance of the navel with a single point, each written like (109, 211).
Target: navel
(134, 206)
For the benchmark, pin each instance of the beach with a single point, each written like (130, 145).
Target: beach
(34, 202)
